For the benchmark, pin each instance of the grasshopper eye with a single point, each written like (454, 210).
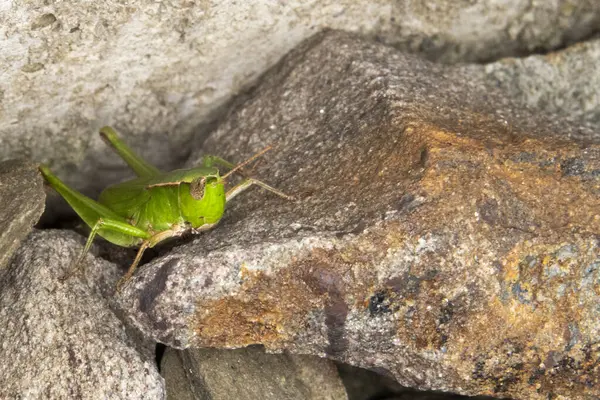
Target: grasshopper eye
(197, 188)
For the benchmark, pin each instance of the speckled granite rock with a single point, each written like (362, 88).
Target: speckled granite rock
(22, 203)
(433, 211)
(454, 31)
(60, 340)
(562, 84)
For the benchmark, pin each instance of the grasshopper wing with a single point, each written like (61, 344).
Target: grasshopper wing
(127, 198)
(178, 176)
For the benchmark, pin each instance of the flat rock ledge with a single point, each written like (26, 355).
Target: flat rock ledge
(442, 232)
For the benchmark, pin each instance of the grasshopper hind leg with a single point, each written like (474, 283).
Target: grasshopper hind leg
(78, 264)
(107, 225)
(140, 166)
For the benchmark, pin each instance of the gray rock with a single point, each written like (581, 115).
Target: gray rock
(433, 211)
(22, 198)
(157, 72)
(60, 340)
(564, 84)
(452, 31)
(249, 374)
(161, 72)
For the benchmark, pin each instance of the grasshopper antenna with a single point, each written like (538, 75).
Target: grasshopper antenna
(248, 161)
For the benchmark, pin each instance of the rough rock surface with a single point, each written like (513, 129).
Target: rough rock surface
(561, 83)
(160, 71)
(59, 339)
(249, 374)
(432, 212)
(22, 198)
(452, 31)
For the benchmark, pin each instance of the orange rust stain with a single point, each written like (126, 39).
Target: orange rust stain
(272, 309)
(519, 337)
(458, 171)
(441, 139)
(462, 167)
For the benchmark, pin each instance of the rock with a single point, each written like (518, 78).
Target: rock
(159, 73)
(162, 72)
(22, 198)
(433, 211)
(248, 374)
(451, 31)
(59, 339)
(564, 84)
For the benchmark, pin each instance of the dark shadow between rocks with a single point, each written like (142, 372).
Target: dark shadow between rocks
(366, 384)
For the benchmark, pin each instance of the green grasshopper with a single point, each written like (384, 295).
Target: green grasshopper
(156, 205)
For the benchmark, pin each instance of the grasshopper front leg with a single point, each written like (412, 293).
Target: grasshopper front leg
(211, 161)
(150, 242)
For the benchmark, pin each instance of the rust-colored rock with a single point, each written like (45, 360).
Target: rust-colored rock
(442, 232)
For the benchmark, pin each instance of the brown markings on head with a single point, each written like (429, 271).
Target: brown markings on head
(197, 188)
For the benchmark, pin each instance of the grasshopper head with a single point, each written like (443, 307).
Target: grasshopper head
(205, 203)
